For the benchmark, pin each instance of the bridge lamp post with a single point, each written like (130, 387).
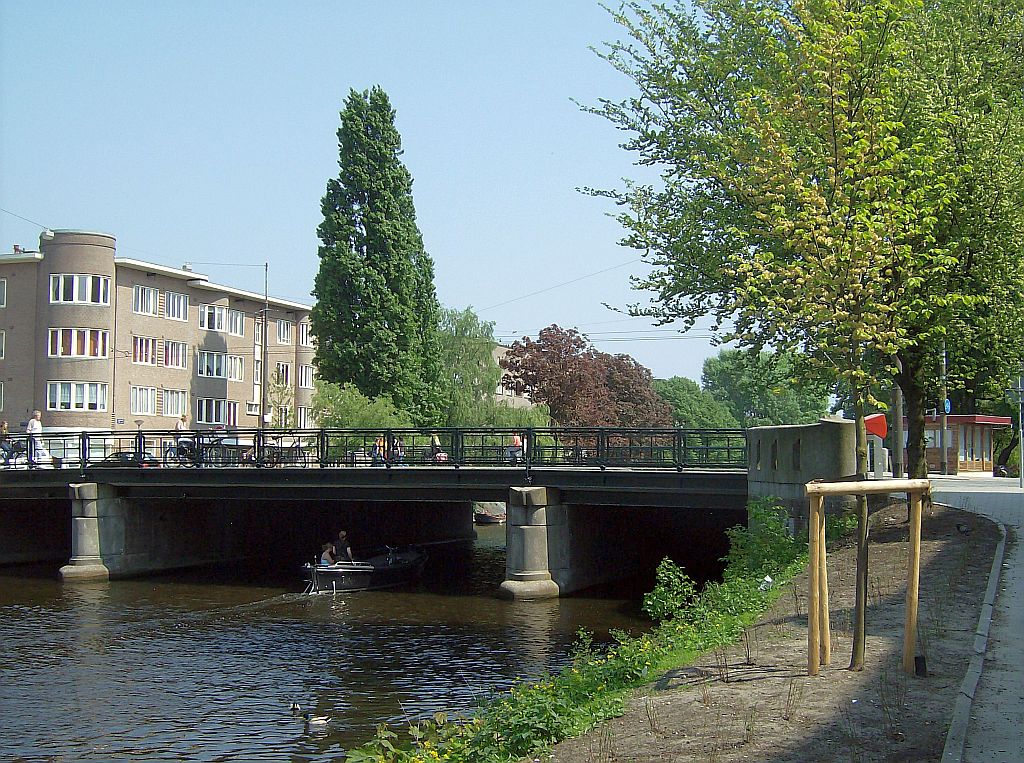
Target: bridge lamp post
(1016, 395)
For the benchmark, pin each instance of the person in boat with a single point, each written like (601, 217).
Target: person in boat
(327, 556)
(342, 550)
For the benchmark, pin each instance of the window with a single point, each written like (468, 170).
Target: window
(210, 410)
(3, 343)
(211, 317)
(78, 289)
(78, 343)
(231, 413)
(175, 354)
(175, 402)
(145, 300)
(212, 364)
(257, 330)
(3, 292)
(284, 332)
(302, 418)
(236, 367)
(1, 396)
(144, 350)
(306, 377)
(236, 323)
(76, 396)
(284, 374)
(176, 306)
(252, 409)
(143, 400)
(257, 372)
(283, 415)
(305, 337)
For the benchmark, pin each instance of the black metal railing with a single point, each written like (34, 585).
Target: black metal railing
(596, 447)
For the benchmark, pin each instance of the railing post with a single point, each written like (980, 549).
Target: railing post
(457, 447)
(258, 446)
(321, 447)
(602, 447)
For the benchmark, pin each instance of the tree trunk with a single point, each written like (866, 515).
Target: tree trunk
(1004, 455)
(914, 396)
(861, 601)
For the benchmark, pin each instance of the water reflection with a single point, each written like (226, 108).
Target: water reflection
(205, 667)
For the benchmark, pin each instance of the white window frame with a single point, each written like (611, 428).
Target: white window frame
(79, 282)
(236, 368)
(305, 376)
(82, 396)
(212, 317)
(257, 330)
(3, 294)
(145, 350)
(231, 413)
(175, 402)
(257, 372)
(252, 409)
(1, 395)
(284, 331)
(175, 306)
(284, 373)
(175, 354)
(211, 410)
(55, 343)
(236, 322)
(284, 414)
(145, 300)
(143, 400)
(212, 364)
(305, 336)
(303, 419)
(3, 343)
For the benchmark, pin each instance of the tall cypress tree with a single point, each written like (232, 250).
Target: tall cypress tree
(376, 311)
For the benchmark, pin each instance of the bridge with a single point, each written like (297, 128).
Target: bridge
(130, 503)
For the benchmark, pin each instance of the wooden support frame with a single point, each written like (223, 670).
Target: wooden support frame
(819, 641)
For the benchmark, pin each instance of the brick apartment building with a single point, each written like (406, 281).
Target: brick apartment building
(98, 341)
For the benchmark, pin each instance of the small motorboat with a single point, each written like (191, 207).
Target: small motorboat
(391, 568)
(487, 518)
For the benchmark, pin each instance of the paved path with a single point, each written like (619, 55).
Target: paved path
(995, 730)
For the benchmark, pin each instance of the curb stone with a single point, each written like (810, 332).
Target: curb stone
(956, 737)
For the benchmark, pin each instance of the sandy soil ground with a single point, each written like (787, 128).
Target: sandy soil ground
(755, 701)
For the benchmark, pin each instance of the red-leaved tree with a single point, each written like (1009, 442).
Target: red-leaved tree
(581, 386)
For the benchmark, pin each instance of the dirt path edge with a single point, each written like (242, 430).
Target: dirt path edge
(956, 737)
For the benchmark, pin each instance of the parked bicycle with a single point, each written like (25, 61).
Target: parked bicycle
(189, 452)
(276, 453)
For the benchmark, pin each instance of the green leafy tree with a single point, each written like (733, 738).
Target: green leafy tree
(792, 204)
(376, 315)
(762, 389)
(343, 406)
(692, 407)
(470, 372)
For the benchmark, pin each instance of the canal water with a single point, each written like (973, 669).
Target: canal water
(204, 666)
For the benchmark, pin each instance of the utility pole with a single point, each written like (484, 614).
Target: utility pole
(898, 469)
(944, 468)
(1016, 395)
(266, 338)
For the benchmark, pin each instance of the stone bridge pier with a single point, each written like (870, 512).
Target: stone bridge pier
(554, 547)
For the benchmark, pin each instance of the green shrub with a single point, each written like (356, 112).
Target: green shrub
(673, 590)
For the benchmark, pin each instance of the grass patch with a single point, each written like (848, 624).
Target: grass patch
(530, 717)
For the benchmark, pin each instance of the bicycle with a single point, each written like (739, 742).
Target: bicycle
(277, 454)
(188, 453)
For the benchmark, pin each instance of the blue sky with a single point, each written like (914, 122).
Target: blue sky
(205, 132)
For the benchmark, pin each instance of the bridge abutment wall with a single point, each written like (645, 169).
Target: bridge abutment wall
(783, 459)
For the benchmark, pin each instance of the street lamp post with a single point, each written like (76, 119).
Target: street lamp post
(263, 349)
(1016, 395)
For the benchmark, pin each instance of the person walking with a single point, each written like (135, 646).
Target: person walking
(34, 429)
